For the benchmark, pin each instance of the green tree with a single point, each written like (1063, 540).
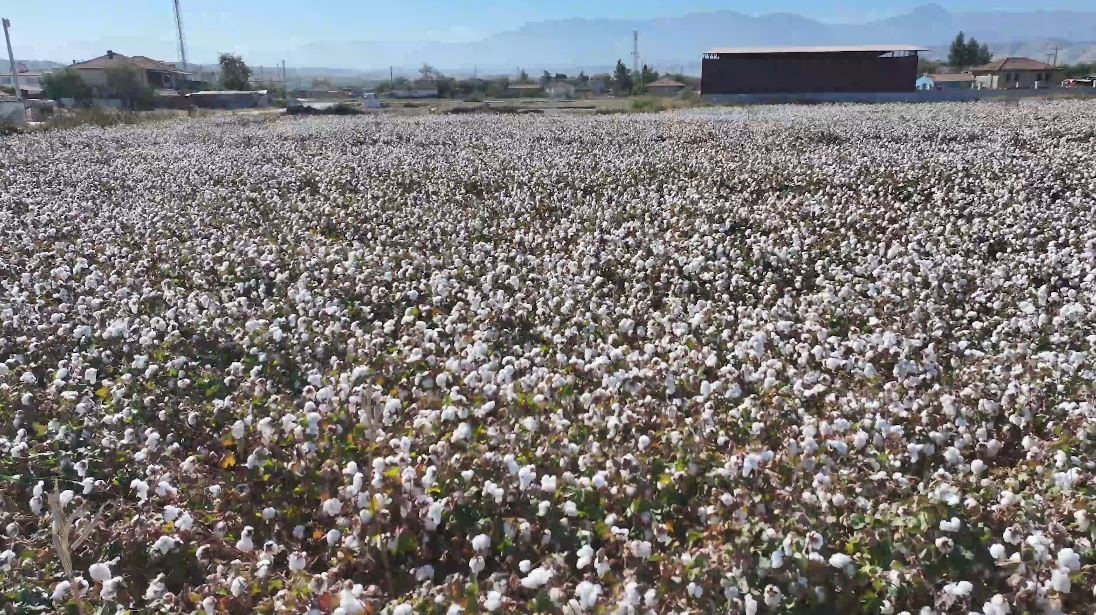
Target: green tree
(66, 83)
(523, 77)
(129, 86)
(582, 76)
(545, 78)
(957, 53)
(978, 53)
(235, 75)
(622, 78)
(560, 76)
(648, 75)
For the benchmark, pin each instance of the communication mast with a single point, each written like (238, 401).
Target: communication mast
(635, 56)
(182, 38)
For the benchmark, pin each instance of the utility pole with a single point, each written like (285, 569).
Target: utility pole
(1057, 48)
(11, 59)
(285, 84)
(391, 78)
(635, 57)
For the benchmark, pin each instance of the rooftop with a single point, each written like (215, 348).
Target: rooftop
(117, 60)
(817, 49)
(666, 83)
(1012, 64)
(946, 77)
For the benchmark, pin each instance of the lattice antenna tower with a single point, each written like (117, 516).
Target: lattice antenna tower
(182, 37)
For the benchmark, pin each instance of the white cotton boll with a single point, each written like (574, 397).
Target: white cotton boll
(245, 543)
(91, 375)
(997, 551)
(977, 467)
(1060, 581)
(840, 560)
(170, 513)
(951, 526)
(776, 560)
(400, 609)
(537, 578)
(476, 565)
(238, 586)
(297, 561)
(156, 588)
(110, 588)
(481, 542)
(548, 483)
(350, 604)
(65, 497)
(750, 605)
(60, 591)
(585, 556)
(333, 537)
(570, 509)
(1069, 559)
(269, 513)
(643, 442)
(99, 572)
(332, 507)
(493, 601)
(185, 522)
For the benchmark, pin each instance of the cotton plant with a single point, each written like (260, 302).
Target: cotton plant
(709, 360)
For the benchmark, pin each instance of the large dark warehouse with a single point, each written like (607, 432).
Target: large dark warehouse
(798, 70)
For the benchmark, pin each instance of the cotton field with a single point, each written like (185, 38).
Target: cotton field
(770, 360)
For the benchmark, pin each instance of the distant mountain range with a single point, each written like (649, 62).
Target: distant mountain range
(669, 42)
(676, 43)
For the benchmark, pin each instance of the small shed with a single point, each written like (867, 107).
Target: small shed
(230, 99)
(12, 112)
(560, 89)
(925, 83)
(953, 81)
(665, 87)
(525, 89)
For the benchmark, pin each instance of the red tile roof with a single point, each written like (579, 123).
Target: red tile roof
(1011, 64)
(117, 60)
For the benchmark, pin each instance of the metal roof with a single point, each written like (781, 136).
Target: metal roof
(666, 83)
(816, 49)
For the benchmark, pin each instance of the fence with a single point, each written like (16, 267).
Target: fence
(894, 97)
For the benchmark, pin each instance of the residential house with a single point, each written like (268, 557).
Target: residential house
(30, 84)
(953, 81)
(560, 89)
(1015, 73)
(925, 83)
(420, 88)
(151, 73)
(665, 87)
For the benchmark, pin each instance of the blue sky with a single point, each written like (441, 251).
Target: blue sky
(266, 30)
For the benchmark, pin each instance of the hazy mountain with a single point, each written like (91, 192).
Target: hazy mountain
(676, 43)
(671, 42)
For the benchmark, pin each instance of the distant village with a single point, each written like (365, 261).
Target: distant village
(860, 73)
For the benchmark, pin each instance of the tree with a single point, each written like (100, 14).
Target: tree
(649, 75)
(560, 76)
(127, 85)
(957, 53)
(545, 78)
(965, 53)
(523, 77)
(622, 78)
(428, 73)
(235, 75)
(582, 76)
(977, 54)
(66, 83)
